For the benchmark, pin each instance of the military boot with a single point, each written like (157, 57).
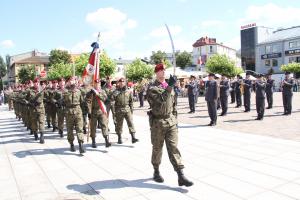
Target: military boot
(94, 142)
(133, 139)
(42, 141)
(157, 177)
(54, 129)
(61, 133)
(48, 125)
(182, 180)
(81, 147)
(84, 130)
(31, 132)
(107, 143)
(72, 147)
(36, 137)
(120, 139)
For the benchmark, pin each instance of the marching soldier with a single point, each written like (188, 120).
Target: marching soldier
(109, 103)
(260, 92)
(247, 84)
(269, 90)
(52, 107)
(211, 96)
(124, 107)
(287, 93)
(48, 103)
(97, 112)
(84, 106)
(224, 93)
(72, 100)
(163, 125)
(232, 90)
(58, 101)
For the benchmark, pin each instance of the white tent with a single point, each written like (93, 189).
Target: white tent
(182, 73)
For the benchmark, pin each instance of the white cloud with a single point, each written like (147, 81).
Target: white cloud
(7, 44)
(82, 47)
(272, 15)
(162, 31)
(234, 43)
(130, 23)
(179, 44)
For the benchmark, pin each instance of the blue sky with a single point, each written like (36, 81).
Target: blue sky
(133, 28)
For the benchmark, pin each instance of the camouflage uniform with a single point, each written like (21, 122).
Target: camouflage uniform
(52, 108)
(72, 100)
(38, 114)
(58, 101)
(84, 107)
(110, 104)
(95, 101)
(47, 104)
(124, 107)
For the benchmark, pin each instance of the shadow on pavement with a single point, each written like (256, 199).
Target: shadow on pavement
(191, 126)
(241, 120)
(121, 183)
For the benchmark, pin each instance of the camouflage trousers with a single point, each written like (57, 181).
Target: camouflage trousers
(72, 120)
(60, 118)
(119, 122)
(168, 134)
(53, 111)
(102, 118)
(111, 108)
(38, 121)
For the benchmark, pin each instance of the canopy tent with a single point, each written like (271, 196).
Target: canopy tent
(182, 73)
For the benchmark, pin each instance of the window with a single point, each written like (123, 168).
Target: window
(276, 48)
(274, 62)
(210, 49)
(298, 60)
(267, 63)
(294, 44)
(268, 49)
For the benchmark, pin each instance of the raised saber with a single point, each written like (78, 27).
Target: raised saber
(173, 48)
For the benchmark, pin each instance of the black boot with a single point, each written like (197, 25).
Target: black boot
(48, 125)
(36, 137)
(182, 180)
(94, 142)
(81, 148)
(84, 130)
(72, 147)
(157, 177)
(54, 129)
(42, 141)
(120, 139)
(61, 133)
(107, 143)
(133, 139)
(31, 132)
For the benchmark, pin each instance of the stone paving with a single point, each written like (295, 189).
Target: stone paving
(225, 165)
(274, 124)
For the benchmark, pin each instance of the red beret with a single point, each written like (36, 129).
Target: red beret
(159, 67)
(121, 79)
(54, 81)
(36, 80)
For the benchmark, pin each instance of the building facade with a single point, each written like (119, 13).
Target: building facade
(251, 35)
(33, 58)
(205, 47)
(281, 47)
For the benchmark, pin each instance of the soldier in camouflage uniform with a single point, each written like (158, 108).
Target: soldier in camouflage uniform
(109, 103)
(163, 124)
(58, 100)
(47, 103)
(72, 99)
(84, 106)
(38, 111)
(124, 107)
(96, 98)
(52, 106)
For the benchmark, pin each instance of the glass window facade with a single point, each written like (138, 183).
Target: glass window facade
(248, 42)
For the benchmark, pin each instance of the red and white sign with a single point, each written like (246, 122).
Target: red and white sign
(248, 26)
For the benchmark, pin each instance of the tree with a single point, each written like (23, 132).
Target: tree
(138, 70)
(3, 68)
(60, 70)
(291, 67)
(221, 64)
(26, 73)
(158, 57)
(183, 59)
(7, 58)
(107, 66)
(59, 56)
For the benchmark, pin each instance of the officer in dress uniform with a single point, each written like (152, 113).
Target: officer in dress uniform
(224, 93)
(211, 97)
(287, 93)
(260, 92)
(269, 90)
(247, 85)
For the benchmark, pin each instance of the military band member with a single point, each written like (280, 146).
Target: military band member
(124, 108)
(260, 92)
(192, 92)
(224, 93)
(269, 90)
(287, 93)
(232, 90)
(238, 93)
(163, 125)
(211, 96)
(247, 86)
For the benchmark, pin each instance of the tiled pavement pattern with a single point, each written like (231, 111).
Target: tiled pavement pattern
(224, 165)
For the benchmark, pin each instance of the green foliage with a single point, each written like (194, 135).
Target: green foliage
(2, 68)
(291, 67)
(183, 59)
(60, 70)
(107, 65)
(59, 56)
(221, 64)
(26, 73)
(158, 57)
(138, 70)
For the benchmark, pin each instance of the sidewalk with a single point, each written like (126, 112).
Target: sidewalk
(224, 165)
